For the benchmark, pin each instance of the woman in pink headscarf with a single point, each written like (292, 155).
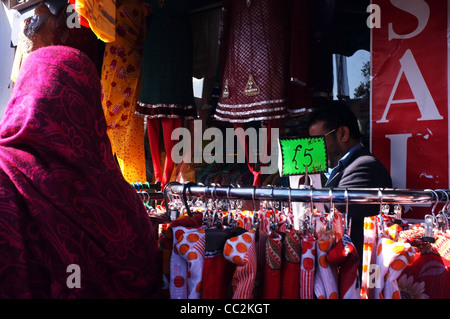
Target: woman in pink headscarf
(70, 225)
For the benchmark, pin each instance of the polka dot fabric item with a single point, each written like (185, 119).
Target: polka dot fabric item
(392, 258)
(186, 260)
(240, 250)
(325, 283)
(308, 267)
(191, 247)
(178, 268)
(369, 258)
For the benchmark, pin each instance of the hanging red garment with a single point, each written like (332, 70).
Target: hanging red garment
(273, 264)
(300, 90)
(217, 272)
(428, 276)
(290, 276)
(345, 256)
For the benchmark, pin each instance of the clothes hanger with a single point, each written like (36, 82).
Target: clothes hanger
(232, 217)
(287, 210)
(185, 199)
(332, 211)
(273, 222)
(430, 221)
(442, 217)
(309, 219)
(255, 217)
(381, 224)
(347, 221)
(171, 202)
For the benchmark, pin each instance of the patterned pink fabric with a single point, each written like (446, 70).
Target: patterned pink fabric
(63, 198)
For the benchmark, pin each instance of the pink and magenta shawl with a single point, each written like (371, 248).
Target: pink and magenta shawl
(63, 199)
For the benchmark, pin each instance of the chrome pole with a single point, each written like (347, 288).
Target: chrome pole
(337, 195)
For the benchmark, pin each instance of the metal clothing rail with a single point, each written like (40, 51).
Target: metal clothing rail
(336, 195)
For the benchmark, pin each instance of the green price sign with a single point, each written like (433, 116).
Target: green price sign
(297, 154)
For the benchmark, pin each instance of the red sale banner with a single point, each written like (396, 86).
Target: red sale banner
(409, 93)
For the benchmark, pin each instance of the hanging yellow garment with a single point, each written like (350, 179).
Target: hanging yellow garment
(121, 86)
(101, 15)
(127, 143)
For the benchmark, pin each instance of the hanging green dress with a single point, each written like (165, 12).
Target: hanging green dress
(167, 90)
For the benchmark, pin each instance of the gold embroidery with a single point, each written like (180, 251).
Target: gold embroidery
(251, 89)
(226, 92)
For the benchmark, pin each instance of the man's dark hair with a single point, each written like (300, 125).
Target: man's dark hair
(334, 115)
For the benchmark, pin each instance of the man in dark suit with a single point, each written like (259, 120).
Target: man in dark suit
(351, 164)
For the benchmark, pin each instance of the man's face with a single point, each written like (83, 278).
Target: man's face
(334, 149)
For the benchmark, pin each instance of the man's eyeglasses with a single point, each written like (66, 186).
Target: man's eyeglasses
(330, 132)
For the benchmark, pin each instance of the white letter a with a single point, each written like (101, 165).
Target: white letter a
(419, 88)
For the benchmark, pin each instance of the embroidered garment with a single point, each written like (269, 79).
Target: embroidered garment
(121, 87)
(64, 199)
(167, 89)
(255, 76)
